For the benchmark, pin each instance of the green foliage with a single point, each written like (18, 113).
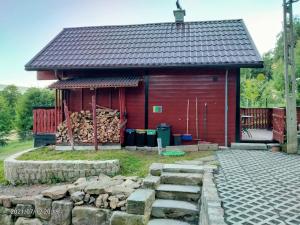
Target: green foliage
(255, 92)
(5, 121)
(11, 94)
(33, 97)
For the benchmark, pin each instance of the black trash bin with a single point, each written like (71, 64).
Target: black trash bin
(164, 133)
(151, 138)
(130, 137)
(177, 139)
(140, 137)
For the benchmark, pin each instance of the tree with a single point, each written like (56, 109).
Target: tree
(5, 121)
(11, 95)
(33, 97)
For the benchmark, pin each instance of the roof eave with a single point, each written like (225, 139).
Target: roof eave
(224, 65)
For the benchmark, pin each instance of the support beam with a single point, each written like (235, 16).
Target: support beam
(238, 107)
(290, 77)
(95, 120)
(226, 109)
(70, 133)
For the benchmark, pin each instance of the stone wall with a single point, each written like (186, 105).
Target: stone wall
(211, 212)
(32, 172)
(78, 203)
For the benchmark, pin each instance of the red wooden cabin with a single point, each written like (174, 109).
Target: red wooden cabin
(137, 67)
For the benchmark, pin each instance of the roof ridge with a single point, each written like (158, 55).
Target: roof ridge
(159, 23)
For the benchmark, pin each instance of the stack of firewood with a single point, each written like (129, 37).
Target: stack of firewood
(108, 127)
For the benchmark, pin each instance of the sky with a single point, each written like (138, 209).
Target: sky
(26, 26)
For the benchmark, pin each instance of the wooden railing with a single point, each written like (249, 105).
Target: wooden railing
(278, 120)
(256, 118)
(44, 120)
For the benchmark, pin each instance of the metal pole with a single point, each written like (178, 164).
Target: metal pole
(226, 108)
(290, 78)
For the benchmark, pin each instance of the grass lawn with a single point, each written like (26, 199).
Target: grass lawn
(132, 162)
(10, 149)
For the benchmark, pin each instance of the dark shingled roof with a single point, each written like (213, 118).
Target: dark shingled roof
(198, 44)
(98, 82)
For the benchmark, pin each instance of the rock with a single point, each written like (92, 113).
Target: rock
(121, 197)
(6, 200)
(133, 178)
(92, 200)
(56, 192)
(104, 178)
(42, 207)
(79, 203)
(77, 196)
(4, 211)
(101, 201)
(123, 218)
(23, 200)
(26, 221)
(96, 188)
(156, 169)
(116, 190)
(86, 198)
(121, 203)
(22, 210)
(6, 219)
(151, 182)
(140, 202)
(80, 180)
(86, 215)
(130, 184)
(72, 188)
(113, 202)
(61, 213)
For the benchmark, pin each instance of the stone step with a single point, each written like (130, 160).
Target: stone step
(180, 168)
(181, 178)
(174, 209)
(248, 146)
(166, 222)
(178, 192)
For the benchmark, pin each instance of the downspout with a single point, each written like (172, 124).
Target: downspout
(226, 108)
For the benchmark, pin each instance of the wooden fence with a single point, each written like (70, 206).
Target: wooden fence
(44, 120)
(256, 118)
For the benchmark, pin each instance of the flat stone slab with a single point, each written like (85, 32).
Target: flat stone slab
(174, 209)
(249, 146)
(140, 202)
(178, 168)
(181, 178)
(166, 222)
(179, 188)
(178, 192)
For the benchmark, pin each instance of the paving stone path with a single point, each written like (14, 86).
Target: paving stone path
(259, 187)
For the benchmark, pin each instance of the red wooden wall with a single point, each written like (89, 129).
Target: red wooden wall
(172, 89)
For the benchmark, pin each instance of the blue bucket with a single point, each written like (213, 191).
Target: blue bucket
(186, 137)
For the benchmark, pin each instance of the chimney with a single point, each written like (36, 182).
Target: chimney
(179, 13)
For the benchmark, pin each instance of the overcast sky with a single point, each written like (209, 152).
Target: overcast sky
(28, 25)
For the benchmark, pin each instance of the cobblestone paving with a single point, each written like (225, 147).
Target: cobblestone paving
(259, 187)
